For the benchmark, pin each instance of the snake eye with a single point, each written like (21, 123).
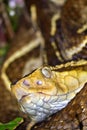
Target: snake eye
(46, 71)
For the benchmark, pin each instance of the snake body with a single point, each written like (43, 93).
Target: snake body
(50, 88)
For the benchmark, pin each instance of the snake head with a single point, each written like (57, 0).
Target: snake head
(45, 91)
(34, 90)
(40, 81)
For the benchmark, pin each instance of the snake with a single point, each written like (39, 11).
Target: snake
(62, 41)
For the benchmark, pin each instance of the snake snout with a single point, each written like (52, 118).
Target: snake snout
(26, 83)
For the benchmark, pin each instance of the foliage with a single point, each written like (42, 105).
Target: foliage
(3, 50)
(11, 125)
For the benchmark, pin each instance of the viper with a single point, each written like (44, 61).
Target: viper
(62, 42)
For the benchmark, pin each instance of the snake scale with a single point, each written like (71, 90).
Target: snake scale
(62, 41)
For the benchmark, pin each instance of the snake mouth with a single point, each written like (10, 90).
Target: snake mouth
(32, 94)
(24, 96)
(20, 94)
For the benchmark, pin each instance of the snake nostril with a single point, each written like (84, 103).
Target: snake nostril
(39, 82)
(26, 83)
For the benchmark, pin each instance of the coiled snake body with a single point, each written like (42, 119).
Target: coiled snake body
(64, 40)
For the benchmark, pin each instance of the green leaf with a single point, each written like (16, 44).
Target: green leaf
(11, 125)
(3, 50)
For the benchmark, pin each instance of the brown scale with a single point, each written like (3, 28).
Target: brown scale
(71, 21)
(44, 16)
(72, 18)
(20, 62)
(44, 21)
(82, 54)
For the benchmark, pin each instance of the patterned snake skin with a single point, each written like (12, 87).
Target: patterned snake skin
(67, 35)
(73, 117)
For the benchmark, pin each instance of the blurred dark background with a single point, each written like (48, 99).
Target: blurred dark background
(10, 13)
